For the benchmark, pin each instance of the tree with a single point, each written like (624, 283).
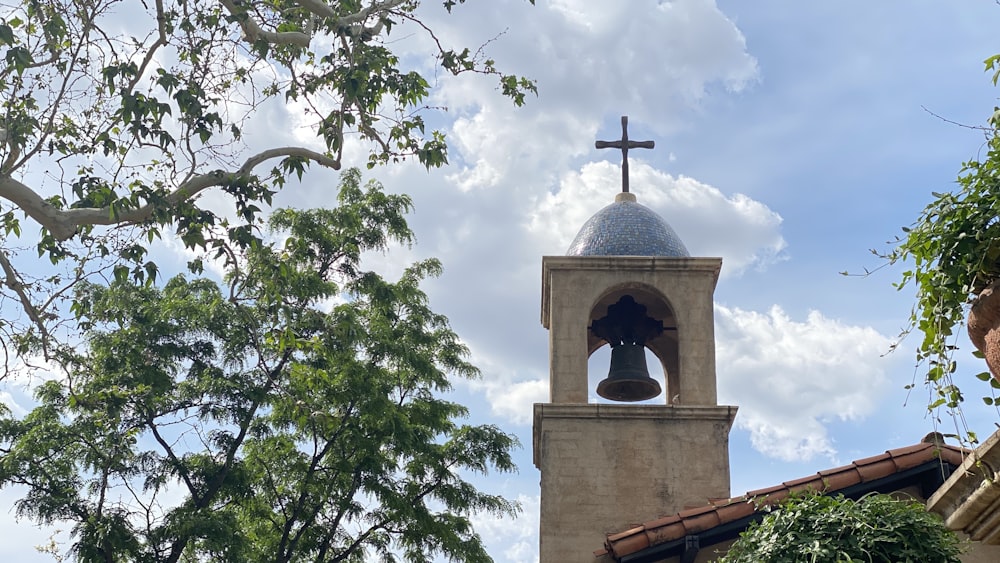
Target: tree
(293, 414)
(115, 115)
(822, 529)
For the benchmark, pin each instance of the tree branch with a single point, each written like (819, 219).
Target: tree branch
(14, 283)
(64, 223)
(252, 31)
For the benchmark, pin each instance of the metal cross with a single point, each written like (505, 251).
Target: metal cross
(624, 144)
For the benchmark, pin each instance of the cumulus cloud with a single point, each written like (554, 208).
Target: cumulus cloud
(605, 46)
(7, 400)
(513, 401)
(793, 378)
(591, 61)
(744, 232)
(512, 539)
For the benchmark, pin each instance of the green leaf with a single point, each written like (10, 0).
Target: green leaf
(293, 407)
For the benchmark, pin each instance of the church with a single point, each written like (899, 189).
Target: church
(650, 482)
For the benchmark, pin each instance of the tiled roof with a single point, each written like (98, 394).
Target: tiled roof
(723, 511)
(627, 228)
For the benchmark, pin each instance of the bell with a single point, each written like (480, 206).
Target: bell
(628, 379)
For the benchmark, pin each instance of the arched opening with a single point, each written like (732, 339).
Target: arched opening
(635, 305)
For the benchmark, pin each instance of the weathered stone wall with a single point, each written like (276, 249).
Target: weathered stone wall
(603, 465)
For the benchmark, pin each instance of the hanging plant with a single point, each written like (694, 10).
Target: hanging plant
(954, 247)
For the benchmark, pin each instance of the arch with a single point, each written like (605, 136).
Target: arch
(666, 346)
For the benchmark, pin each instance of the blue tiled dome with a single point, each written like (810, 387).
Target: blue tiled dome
(627, 228)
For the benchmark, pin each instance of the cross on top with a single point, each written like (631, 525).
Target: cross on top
(624, 144)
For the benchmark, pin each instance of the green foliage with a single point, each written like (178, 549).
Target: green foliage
(118, 113)
(825, 529)
(954, 246)
(294, 414)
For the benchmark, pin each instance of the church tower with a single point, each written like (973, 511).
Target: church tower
(627, 281)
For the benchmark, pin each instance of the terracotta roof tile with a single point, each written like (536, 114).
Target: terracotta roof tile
(777, 496)
(721, 511)
(701, 522)
(872, 459)
(662, 521)
(802, 481)
(841, 469)
(736, 510)
(847, 476)
(954, 456)
(667, 532)
(630, 544)
(815, 484)
(625, 534)
(877, 469)
(910, 458)
(765, 492)
(692, 512)
(908, 449)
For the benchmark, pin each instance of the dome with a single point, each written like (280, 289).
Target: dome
(627, 228)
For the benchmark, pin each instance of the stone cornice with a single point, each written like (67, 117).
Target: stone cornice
(711, 266)
(969, 501)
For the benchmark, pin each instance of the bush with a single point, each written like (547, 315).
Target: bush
(819, 528)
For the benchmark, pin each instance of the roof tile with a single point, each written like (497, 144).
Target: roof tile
(872, 459)
(765, 492)
(842, 479)
(630, 544)
(661, 521)
(814, 484)
(841, 469)
(795, 483)
(734, 511)
(701, 522)
(910, 458)
(625, 534)
(666, 533)
(876, 469)
(692, 512)
(722, 511)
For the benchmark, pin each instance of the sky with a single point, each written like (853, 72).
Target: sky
(791, 138)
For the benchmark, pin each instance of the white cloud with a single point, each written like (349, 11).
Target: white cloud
(591, 59)
(20, 540)
(744, 232)
(591, 53)
(513, 401)
(8, 400)
(791, 379)
(515, 539)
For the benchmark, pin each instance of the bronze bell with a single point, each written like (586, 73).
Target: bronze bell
(628, 379)
(626, 328)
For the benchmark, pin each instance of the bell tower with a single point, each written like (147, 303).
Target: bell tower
(627, 281)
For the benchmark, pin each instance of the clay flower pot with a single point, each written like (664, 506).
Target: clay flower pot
(984, 326)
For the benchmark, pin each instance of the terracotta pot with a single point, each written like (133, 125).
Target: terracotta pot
(984, 326)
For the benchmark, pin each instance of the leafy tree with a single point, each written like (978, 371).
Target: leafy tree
(821, 529)
(116, 114)
(293, 414)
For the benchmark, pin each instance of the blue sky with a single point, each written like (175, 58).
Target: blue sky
(791, 137)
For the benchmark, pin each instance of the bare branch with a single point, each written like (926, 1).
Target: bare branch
(12, 281)
(946, 120)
